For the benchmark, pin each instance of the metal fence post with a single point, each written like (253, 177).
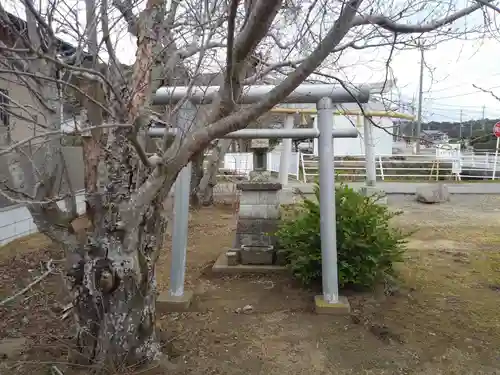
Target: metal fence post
(371, 169)
(315, 140)
(286, 153)
(182, 189)
(328, 225)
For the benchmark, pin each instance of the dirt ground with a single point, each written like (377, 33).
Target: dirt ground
(442, 319)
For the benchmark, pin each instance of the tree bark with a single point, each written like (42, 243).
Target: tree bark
(111, 270)
(197, 174)
(114, 294)
(209, 179)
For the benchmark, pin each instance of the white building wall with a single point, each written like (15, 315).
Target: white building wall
(355, 146)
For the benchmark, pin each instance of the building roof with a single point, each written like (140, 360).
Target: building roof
(64, 48)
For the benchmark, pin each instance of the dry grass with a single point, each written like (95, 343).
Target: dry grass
(459, 277)
(443, 318)
(24, 245)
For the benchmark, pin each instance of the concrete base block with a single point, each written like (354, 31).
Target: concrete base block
(166, 302)
(233, 257)
(221, 266)
(369, 191)
(253, 239)
(342, 307)
(257, 255)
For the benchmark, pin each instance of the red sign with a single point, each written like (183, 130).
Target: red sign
(496, 130)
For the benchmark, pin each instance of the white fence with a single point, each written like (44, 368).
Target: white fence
(440, 163)
(16, 221)
(450, 164)
(487, 160)
(242, 163)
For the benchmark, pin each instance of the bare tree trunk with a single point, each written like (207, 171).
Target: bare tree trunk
(111, 272)
(197, 173)
(114, 292)
(209, 180)
(242, 143)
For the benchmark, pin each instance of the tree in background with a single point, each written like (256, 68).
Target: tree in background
(110, 268)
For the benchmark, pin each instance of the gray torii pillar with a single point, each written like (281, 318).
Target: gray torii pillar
(286, 153)
(370, 188)
(324, 96)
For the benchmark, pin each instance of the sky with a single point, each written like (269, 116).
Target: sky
(450, 72)
(451, 68)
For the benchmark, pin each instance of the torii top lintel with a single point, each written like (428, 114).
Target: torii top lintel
(307, 93)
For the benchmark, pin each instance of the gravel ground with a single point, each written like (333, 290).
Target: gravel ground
(461, 210)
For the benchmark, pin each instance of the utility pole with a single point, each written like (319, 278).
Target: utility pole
(470, 130)
(482, 121)
(461, 113)
(420, 99)
(413, 114)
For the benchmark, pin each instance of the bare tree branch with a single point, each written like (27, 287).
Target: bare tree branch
(399, 28)
(49, 134)
(489, 5)
(270, 67)
(487, 91)
(126, 9)
(230, 78)
(49, 270)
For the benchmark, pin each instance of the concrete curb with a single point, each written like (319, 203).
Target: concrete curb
(221, 267)
(404, 188)
(166, 303)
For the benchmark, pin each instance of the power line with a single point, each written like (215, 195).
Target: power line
(478, 112)
(478, 109)
(466, 94)
(456, 105)
(430, 90)
(445, 89)
(448, 118)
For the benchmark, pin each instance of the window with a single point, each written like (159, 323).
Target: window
(4, 111)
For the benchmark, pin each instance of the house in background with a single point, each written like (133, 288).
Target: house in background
(382, 132)
(18, 105)
(431, 137)
(20, 116)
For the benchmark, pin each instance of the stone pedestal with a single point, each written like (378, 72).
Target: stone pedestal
(258, 219)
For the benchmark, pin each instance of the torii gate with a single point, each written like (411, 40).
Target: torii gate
(324, 96)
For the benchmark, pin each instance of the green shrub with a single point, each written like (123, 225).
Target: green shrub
(367, 245)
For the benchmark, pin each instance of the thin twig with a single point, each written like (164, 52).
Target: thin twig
(487, 91)
(489, 5)
(58, 133)
(55, 371)
(50, 269)
(67, 311)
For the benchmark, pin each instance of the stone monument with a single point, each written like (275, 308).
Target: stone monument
(258, 215)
